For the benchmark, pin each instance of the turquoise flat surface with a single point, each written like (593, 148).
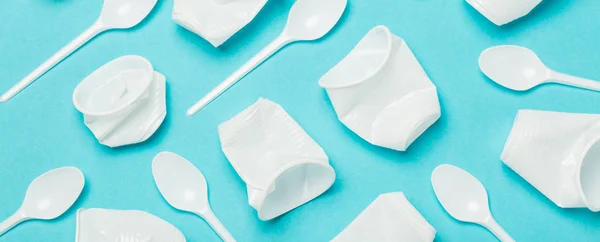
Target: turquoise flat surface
(40, 129)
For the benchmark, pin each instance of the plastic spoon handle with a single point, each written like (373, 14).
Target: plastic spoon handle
(498, 231)
(575, 81)
(11, 222)
(216, 225)
(258, 59)
(63, 53)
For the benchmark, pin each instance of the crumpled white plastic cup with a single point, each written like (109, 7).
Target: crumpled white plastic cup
(96, 225)
(381, 92)
(501, 12)
(559, 154)
(390, 218)
(123, 102)
(281, 165)
(215, 20)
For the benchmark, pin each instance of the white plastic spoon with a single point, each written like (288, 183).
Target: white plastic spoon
(184, 187)
(465, 198)
(48, 196)
(520, 69)
(116, 14)
(308, 20)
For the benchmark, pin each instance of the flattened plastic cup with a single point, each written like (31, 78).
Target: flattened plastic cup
(215, 20)
(123, 102)
(390, 218)
(501, 12)
(559, 154)
(98, 224)
(281, 165)
(114, 87)
(381, 92)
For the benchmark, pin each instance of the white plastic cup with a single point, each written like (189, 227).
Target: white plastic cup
(123, 102)
(381, 92)
(215, 20)
(281, 165)
(501, 12)
(559, 154)
(99, 224)
(390, 218)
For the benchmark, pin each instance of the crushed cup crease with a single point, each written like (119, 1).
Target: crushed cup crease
(215, 20)
(501, 12)
(559, 154)
(390, 218)
(381, 92)
(97, 224)
(281, 165)
(123, 102)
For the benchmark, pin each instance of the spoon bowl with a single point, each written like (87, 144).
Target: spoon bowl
(123, 14)
(180, 182)
(513, 67)
(461, 194)
(48, 196)
(53, 193)
(312, 19)
(465, 198)
(184, 187)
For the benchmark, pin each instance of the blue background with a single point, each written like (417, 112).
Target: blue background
(41, 130)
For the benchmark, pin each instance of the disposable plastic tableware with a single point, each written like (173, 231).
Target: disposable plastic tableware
(215, 20)
(184, 187)
(520, 69)
(559, 154)
(501, 12)
(389, 218)
(381, 92)
(123, 102)
(308, 20)
(48, 196)
(282, 166)
(97, 224)
(116, 14)
(465, 198)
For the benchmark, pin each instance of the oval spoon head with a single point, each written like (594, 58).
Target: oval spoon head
(312, 19)
(123, 14)
(460, 193)
(53, 193)
(513, 67)
(180, 182)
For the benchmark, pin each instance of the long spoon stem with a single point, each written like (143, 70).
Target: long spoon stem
(11, 222)
(497, 230)
(216, 225)
(258, 59)
(575, 81)
(63, 53)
